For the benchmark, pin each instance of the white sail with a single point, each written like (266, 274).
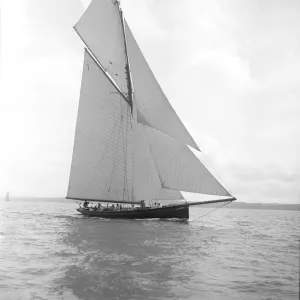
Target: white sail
(100, 27)
(127, 151)
(153, 107)
(147, 184)
(166, 194)
(102, 155)
(7, 197)
(179, 168)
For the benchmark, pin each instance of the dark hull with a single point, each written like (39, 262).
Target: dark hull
(168, 212)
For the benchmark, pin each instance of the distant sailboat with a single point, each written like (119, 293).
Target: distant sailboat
(130, 146)
(7, 197)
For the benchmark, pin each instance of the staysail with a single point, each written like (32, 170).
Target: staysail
(128, 150)
(147, 183)
(152, 104)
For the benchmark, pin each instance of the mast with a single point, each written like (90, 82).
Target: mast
(101, 30)
(127, 67)
(128, 77)
(111, 149)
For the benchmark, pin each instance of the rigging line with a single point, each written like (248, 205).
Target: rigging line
(124, 157)
(107, 185)
(223, 204)
(126, 179)
(121, 132)
(162, 183)
(102, 157)
(121, 129)
(116, 146)
(125, 146)
(127, 67)
(128, 127)
(131, 120)
(211, 169)
(108, 76)
(151, 126)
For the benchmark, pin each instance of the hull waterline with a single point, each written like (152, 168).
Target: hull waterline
(167, 212)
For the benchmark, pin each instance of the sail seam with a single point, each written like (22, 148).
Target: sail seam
(148, 144)
(160, 93)
(102, 157)
(141, 122)
(129, 88)
(128, 78)
(154, 163)
(215, 176)
(114, 155)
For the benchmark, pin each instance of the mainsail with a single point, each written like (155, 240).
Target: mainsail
(102, 155)
(128, 147)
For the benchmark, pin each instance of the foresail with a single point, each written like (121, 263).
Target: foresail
(153, 107)
(179, 168)
(147, 184)
(167, 197)
(166, 194)
(145, 177)
(101, 29)
(102, 155)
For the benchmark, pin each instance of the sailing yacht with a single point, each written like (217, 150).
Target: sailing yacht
(130, 149)
(7, 197)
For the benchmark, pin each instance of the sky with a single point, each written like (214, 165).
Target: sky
(229, 68)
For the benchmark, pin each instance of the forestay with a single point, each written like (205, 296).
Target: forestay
(102, 155)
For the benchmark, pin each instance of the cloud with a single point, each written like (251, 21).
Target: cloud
(40, 89)
(268, 184)
(229, 70)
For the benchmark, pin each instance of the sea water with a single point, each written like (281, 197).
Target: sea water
(49, 251)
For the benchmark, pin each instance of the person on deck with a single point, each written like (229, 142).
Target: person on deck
(86, 204)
